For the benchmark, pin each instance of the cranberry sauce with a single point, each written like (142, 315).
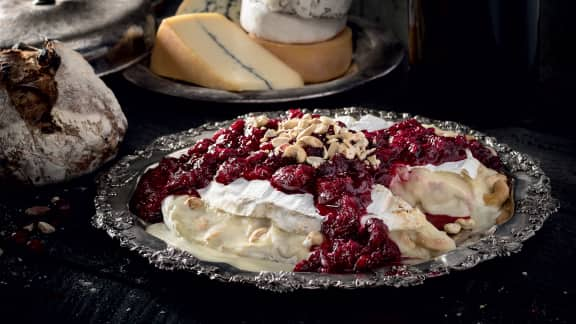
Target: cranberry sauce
(341, 185)
(231, 153)
(410, 143)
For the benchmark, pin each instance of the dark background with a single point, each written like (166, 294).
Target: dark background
(83, 276)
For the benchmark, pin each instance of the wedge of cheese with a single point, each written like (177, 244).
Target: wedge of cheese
(229, 8)
(316, 62)
(209, 50)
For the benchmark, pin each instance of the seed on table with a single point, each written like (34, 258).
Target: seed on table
(37, 211)
(46, 228)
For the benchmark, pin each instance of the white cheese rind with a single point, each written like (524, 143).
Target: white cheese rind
(309, 8)
(257, 198)
(467, 167)
(368, 123)
(260, 21)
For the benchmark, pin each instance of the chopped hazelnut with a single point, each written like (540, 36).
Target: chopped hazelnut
(452, 228)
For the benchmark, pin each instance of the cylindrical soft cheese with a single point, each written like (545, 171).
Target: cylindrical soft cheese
(310, 8)
(257, 19)
(317, 62)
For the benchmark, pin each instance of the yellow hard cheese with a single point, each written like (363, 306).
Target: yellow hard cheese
(229, 8)
(316, 62)
(209, 50)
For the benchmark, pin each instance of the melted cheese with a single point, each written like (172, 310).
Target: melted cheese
(231, 234)
(409, 229)
(452, 188)
(205, 253)
(209, 50)
(286, 222)
(448, 192)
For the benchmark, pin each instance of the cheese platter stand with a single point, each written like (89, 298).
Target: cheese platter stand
(76, 273)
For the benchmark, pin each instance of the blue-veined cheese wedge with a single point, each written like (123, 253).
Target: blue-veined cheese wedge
(209, 50)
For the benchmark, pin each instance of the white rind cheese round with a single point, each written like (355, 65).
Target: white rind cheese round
(86, 122)
(310, 8)
(257, 19)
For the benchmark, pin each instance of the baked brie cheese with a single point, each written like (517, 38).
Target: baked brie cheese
(317, 194)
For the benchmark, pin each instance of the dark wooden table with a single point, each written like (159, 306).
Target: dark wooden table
(83, 276)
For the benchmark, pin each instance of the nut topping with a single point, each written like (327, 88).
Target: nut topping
(466, 224)
(311, 141)
(452, 228)
(332, 150)
(276, 142)
(306, 132)
(373, 160)
(269, 134)
(302, 131)
(289, 124)
(296, 152)
(321, 128)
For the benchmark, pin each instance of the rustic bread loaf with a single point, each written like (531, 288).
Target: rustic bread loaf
(58, 120)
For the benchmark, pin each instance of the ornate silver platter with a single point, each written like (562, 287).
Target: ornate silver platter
(377, 52)
(533, 205)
